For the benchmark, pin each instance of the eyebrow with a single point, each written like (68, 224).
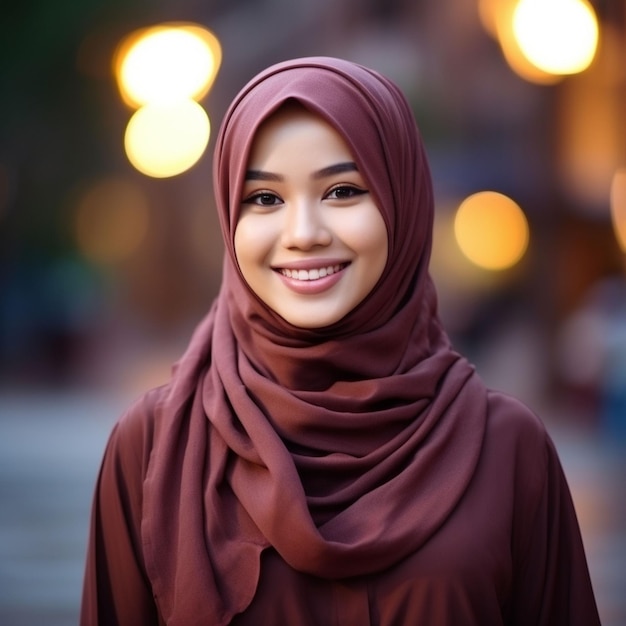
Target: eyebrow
(261, 175)
(338, 168)
(331, 170)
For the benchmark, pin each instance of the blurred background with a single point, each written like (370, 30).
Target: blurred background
(110, 250)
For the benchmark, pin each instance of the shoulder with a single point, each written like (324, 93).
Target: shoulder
(509, 418)
(133, 436)
(518, 437)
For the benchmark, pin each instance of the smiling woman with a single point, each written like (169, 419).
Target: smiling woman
(322, 455)
(310, 241)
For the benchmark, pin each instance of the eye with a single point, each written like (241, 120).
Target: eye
(263, 198)
(344, 192)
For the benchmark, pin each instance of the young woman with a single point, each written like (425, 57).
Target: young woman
(321, 454)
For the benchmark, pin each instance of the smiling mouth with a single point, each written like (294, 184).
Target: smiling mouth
(312, 274)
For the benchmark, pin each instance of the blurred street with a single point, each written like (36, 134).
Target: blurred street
(50, 449)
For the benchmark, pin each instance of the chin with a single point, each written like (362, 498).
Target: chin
(310, 315)
(309, 322)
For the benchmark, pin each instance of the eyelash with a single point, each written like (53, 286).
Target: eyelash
(255, 198)
(352, 190)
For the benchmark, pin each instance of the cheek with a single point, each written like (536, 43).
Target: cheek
(366, 234)
(375, 245)
(379, 250)
(252, 242)
(244, 249)
(376, 234)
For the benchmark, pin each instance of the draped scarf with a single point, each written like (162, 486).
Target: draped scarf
(343, 448)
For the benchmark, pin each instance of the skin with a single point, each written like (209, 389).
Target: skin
(310, 241)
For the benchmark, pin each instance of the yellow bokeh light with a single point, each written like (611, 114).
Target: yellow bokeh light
(491, 230)
(166, 140)
(557, 36)
(166, 63)
(502, 15)
(496, 17)
(618, 207)
(111, 221)
(488, 14)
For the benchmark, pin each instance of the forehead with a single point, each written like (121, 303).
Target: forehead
(286, 132)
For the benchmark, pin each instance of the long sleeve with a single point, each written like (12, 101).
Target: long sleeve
(116, 589)
(552, 586)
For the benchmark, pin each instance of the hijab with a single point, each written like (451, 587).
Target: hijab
(343, 448)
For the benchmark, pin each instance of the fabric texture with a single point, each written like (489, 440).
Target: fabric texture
(510, 553)
(340, 450)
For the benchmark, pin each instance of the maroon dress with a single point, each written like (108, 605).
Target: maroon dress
(509, 553)
(355, 474)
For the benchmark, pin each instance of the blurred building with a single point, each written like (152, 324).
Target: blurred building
(121, 314)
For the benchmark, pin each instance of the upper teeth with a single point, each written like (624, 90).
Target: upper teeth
(313, 274)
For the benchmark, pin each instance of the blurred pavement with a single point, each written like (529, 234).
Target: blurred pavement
(50, 450)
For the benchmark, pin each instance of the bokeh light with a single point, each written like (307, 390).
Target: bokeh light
(164, 70)
(165, 140)
(491, 230)
(618, 207)
(588, 131)
(488, 14)
(111, 221)
(497, 18)
(557, 36)
(167, 62)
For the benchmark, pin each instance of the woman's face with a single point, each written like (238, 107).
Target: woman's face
(310, 241)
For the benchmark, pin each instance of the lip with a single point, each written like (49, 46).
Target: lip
(313, 286)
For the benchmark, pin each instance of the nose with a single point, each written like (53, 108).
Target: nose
(304, 226)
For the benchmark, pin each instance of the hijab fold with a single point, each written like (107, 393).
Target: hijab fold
(342, 448)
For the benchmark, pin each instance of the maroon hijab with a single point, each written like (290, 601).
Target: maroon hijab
(343, 448)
